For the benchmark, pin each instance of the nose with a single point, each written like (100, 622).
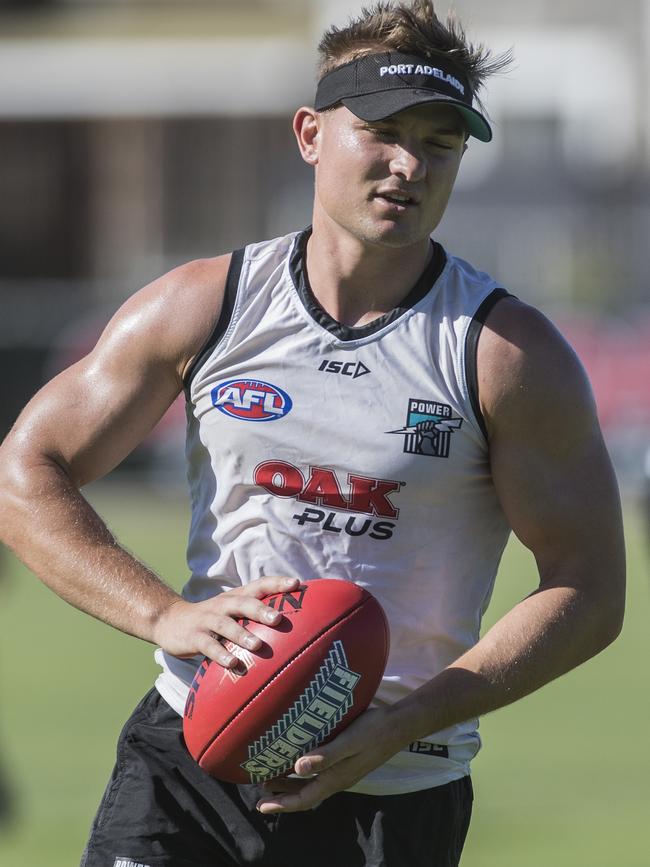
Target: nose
(408, 163)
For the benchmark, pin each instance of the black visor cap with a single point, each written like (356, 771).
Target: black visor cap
(377, 86)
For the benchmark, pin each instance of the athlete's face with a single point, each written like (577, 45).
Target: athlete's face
(386, 182)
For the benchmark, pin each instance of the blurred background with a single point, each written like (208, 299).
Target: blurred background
(138, 134)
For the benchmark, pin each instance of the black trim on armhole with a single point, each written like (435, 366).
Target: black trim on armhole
(471, 346)
(229, 297)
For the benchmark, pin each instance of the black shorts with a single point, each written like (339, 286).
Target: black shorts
(161, 810)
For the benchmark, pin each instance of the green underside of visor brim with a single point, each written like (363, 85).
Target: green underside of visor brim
(379, 106)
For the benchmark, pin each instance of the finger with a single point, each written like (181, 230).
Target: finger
(307, 766)
(221, 614)
(269, 584)
(325, 757)
(211, 646)
(283, 785)
(308, 798)
(222, 624)
(241, 603)
(224, 628)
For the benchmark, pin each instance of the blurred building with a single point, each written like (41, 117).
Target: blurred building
(137, 134)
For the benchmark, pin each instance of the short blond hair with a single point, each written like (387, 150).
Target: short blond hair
(411, 28)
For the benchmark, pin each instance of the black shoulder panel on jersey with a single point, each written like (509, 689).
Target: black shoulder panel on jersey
(229, 297)
(471, 347)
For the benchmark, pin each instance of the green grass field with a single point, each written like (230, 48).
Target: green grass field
(562, 779)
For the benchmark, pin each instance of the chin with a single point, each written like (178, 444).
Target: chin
(393, 235)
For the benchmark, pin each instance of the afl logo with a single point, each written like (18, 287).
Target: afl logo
(251, 400)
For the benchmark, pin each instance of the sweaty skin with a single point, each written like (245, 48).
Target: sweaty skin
(558, 490)
(77, 429)
(381, 189)
(367, 251)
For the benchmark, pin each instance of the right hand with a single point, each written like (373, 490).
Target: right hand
(186, 629)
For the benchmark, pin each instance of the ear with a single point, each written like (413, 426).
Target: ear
(306, 127)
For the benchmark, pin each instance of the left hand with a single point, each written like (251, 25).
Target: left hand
(365, 745)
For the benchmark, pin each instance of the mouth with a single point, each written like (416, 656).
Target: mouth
(396, 199)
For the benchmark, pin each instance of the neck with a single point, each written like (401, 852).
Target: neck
(354, 281)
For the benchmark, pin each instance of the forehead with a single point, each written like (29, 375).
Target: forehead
(433, 116)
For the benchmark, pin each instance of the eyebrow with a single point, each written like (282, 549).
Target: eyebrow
(456, 129)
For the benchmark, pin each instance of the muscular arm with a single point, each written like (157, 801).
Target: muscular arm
(558, 491)
(80, 426)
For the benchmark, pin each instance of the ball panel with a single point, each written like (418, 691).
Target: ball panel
(317, 694)
(315, 673)
(224, 692)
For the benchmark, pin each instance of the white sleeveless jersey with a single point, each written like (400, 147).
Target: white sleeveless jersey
(321, 450)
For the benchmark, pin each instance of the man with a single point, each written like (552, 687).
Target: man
(364, 406)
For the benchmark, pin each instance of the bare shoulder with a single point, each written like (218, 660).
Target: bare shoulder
(548, 458)
(90, 416)
(173, 316)
(527, 370)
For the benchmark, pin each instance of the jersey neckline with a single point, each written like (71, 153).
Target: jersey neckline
(298, 271)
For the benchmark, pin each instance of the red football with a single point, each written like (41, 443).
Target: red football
(316, 671)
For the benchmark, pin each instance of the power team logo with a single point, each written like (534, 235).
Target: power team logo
(310, 719)
(429, 426)
(251, 400)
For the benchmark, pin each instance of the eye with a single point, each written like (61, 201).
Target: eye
(439, 144)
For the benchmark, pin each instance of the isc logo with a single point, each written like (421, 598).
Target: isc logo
(251, 400)
(355, 369)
